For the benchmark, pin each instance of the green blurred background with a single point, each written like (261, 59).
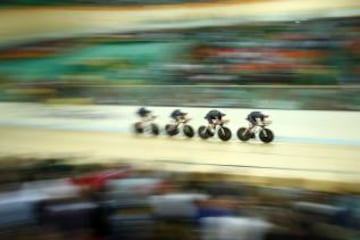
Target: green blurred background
(290, 64)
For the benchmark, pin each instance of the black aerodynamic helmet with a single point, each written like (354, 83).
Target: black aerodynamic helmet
(143, 110)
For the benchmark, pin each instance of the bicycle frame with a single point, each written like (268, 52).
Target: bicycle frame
(257, 128)
(145, 124)
(219, 124)
(181, 122)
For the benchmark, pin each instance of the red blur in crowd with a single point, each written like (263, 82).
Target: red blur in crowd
(98, 180)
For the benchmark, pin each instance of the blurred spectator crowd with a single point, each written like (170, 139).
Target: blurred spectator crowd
(322, 52)
(50, 199)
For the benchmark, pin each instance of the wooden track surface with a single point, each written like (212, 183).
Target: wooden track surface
(303, 162)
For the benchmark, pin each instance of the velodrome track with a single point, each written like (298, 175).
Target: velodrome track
(304, 153)
(332, 165)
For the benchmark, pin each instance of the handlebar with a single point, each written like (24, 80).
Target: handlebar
(185, 120)
(265, 124)
(225, 121)
(222, 122)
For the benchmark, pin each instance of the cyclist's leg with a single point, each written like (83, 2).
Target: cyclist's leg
(252, 125)
(212, 124)
(259, 121)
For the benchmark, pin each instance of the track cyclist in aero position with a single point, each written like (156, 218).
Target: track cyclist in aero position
(215, 122)
(257, 124)
(179, 123)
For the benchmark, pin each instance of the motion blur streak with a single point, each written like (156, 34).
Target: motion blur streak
(80, 161)
(60, 21)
